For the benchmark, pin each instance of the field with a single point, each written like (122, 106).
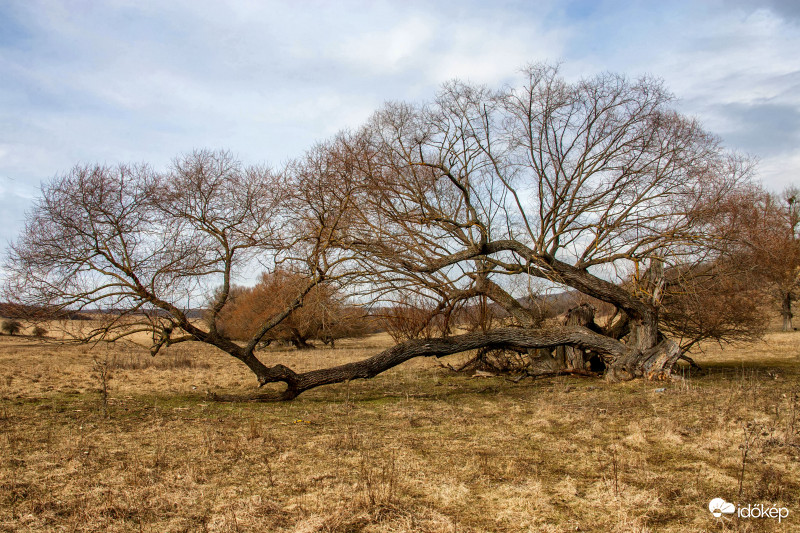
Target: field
(177, 443)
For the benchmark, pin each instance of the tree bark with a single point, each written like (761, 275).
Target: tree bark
(654, 364)
(574, 356)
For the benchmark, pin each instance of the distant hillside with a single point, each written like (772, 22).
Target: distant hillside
(29, 312)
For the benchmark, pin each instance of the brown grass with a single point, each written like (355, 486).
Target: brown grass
(416, 449)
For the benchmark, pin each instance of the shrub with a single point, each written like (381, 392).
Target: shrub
(324, 314)
(11, 327)
(39, 331)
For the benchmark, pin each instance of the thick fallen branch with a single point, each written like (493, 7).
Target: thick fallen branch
(509, 338)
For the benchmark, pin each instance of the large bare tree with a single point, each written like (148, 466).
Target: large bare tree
(596, 186)
(786, 271)
(579, 184)
(130, 247)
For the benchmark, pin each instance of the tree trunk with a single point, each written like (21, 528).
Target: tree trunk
(652, 356)
(519, 339)
(302, 344)
(786, 310)
(546, 361)
(643, 333)
(654, 363)
(645, 355)
(575, 357)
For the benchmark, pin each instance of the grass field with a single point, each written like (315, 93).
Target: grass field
(176, 444)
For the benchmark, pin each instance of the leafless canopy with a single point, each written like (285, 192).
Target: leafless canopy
(132, 247)
(476, 198)
(582, 185)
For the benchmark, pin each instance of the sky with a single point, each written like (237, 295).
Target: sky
(113, 81)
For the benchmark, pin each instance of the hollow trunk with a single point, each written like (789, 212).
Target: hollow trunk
(565, 358)
(652, 356)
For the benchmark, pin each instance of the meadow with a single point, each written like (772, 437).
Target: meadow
(105, 438)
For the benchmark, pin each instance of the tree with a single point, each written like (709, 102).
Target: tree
(11, 327)
(718, 301)
(766, 250)
(787, 278)
(131, 246)
(777, 244)
(413, 318)
(597, 186)
(575, 184)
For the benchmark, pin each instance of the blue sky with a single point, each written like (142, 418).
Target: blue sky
(138, 80)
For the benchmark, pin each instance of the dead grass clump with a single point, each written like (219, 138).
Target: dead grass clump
(377, 480)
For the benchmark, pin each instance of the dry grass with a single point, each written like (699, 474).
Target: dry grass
(416, 449)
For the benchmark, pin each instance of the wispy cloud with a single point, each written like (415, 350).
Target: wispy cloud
(125, 80)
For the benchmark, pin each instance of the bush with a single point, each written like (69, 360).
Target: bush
(324, 315)
(11, 327)
(39, 331)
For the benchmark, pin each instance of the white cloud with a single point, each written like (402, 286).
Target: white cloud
(146, 80)
(781, 171)
(390, 51)
(732, 64)
(495, 53)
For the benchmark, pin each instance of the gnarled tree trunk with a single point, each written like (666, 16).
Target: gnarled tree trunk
(565, 358)
(615, 353)
(655, 363)
(575, 357)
